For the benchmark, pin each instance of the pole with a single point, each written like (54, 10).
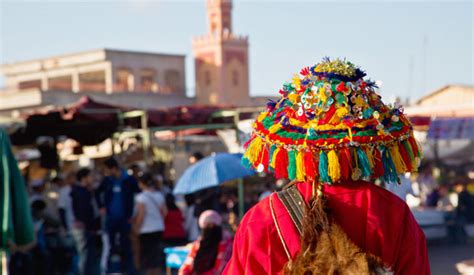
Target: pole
(240, 189)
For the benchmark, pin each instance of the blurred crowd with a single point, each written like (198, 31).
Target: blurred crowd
(451, 196)
(112, 219)
(117, 220)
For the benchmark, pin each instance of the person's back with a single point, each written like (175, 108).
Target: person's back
(330, 134)
(376, 220)
(153, 220)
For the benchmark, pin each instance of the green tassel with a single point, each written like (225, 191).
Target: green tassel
(323, 167)
(364, 164)
(390, 175)
(291, 164)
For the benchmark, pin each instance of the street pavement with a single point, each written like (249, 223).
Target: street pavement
(443, 256)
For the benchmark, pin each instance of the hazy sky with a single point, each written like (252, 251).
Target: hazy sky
(412, 47)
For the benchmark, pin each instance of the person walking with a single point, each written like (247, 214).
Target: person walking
(333, 137)
(149, 224)
(115, 196)
(86, 223)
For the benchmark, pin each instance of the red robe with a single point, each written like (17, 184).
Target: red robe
(373, 218)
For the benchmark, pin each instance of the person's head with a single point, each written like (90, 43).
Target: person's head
(57, 181)
(135, 170)
(112, 167)
(210, 223)
(170, 202)
(195, 157)
(459, 187)
(84, 177)
(146, 181)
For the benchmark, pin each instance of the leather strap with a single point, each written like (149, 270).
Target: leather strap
(294, 204)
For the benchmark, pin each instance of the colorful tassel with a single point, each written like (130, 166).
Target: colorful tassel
(345, 162)
(281, 166)
(323, 167)
(254, 149)
(272, 158)
(370, 157)
(299, 166)
(414, 147)
(405, 157)
(364, 164)
(390, 175)
(334, 170)
(263, 159)
(291, 165)
(310, 168)
(378, 164)
(397, 159)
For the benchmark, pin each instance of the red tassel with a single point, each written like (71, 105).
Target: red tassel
(345, 163)
(405, 157)
(264, 158)
(310, 169)
(414, 146)
(246, 144)
(378, 164)
(281, 166)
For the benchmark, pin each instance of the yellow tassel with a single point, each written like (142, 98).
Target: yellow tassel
(299, 166)
(370, 157)
(254, 149)
(397, 159)
(334, 170)
(273, 160)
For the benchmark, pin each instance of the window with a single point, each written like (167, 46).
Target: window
(123, 80)
(92, 81)
(148, 80)
(172, 80)
(207, 78)
(30, 84)
(60, 83)
(235, 78)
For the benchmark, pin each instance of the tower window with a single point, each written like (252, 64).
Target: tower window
(207, 78)
(235, 78)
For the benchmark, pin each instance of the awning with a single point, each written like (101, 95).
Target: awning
(451, 128)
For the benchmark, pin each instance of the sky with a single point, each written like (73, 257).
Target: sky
(411, 48)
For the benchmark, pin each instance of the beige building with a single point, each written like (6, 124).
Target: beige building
(448, 101)
(156, 80)
(138, 79)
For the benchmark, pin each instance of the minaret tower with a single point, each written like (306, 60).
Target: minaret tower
(221, 59)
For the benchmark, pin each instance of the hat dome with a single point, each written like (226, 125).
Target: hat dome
(330, 125)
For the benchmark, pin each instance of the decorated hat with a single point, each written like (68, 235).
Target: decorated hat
(330, 125)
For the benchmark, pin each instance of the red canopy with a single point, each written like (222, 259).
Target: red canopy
(90, 122)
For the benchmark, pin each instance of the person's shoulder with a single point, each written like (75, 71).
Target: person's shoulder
(259, 213)
(368, 188)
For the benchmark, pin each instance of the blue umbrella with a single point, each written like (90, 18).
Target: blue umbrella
(210, 172)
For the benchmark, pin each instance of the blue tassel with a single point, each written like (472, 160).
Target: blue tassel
(323, 167)
(272, 150)
(364, 164)
(246, 163)
(390, 175)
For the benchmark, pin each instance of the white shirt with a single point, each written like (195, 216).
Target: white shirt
(153, 202)
(65, 202)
